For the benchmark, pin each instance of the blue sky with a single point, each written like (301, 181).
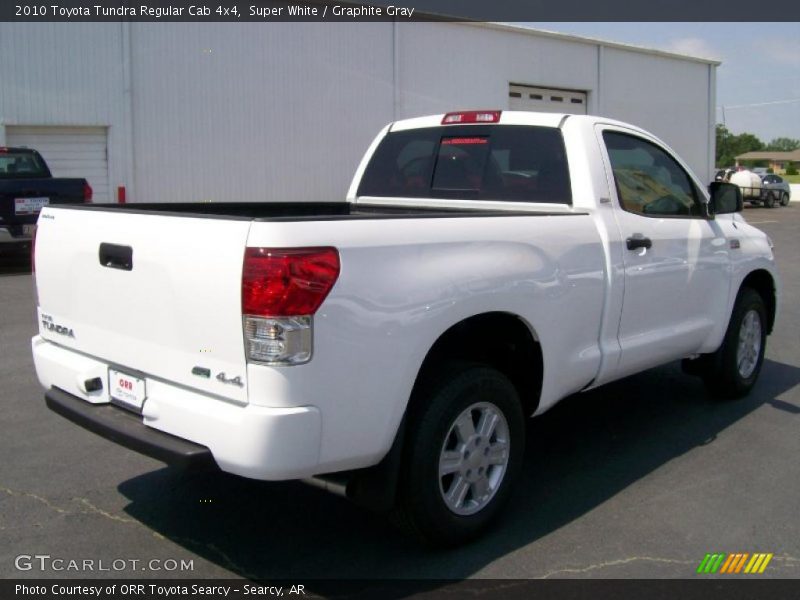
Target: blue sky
(758, 81)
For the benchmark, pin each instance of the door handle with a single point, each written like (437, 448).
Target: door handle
(637, 240)
(114, 256)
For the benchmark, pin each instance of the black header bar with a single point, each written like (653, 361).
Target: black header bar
(399, 10)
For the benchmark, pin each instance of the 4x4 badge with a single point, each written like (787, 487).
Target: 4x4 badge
(233, 381)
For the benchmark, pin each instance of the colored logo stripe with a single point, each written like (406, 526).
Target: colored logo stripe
(727, 564)
(734, 563)
(711, 563)
(758, 563)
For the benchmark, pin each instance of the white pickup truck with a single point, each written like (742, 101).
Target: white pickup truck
(486, 265)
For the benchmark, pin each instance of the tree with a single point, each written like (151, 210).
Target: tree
(724, 156)
(729, 146)
(783, 144)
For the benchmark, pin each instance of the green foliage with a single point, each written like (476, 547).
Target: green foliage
(770, 170)
(791, 170)
(729, 146)
(783, 144)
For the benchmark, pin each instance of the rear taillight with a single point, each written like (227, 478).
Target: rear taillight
(471, 116)
(87, 192)
(281, 290)
(287, 282)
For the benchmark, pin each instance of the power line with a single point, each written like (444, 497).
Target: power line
(755, 104)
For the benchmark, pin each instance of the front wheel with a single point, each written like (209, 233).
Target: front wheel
(784, 199)
(734, 368)
(463, 454)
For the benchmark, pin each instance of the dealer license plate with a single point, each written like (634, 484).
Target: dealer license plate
(127, 390)
(29, 206)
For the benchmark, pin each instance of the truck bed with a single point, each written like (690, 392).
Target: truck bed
(302, 211)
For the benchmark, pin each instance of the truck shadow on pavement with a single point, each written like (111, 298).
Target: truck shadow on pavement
(15, 262)
(584, 451)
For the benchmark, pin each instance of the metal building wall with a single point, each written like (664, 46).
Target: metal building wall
(256, 112)
(66, 75)
(284, 111)
(470, 66)
(674, 99)
(451, 66)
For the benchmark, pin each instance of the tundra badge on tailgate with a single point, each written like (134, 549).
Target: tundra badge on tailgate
(50, 325)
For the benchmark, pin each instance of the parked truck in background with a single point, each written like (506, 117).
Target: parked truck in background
(26, 185)
(486, 265)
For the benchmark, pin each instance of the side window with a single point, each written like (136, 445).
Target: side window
(649, 181)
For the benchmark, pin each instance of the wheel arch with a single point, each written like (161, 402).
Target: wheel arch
(518, 357)
(501, 340)
(762, 282)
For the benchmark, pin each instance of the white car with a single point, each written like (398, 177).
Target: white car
(485, 265)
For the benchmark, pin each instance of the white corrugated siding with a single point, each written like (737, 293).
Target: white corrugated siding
(450, 66)
(284, 111)
(474, 66)
(256, 112)
(666, 96)
(69, 152)
(67, 75)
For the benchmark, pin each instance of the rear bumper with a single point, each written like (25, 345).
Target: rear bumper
(126, 429)
(7, 239)
(183, 425)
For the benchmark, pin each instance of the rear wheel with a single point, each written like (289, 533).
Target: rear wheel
(463, 454)
(769, 200)
(732, 371)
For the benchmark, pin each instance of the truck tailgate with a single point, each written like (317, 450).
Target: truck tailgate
(155, 295)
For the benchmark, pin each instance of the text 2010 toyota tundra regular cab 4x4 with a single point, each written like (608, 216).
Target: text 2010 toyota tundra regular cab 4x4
(486, 265)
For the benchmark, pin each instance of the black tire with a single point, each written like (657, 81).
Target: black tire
(722, 376)
(769, 200)
(784, 199)
(422, 510)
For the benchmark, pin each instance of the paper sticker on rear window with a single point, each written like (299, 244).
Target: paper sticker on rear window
(464, 141)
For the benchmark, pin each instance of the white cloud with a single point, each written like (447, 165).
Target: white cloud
(785, 51)
(693, 47)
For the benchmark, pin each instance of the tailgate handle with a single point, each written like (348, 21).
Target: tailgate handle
(115, 256)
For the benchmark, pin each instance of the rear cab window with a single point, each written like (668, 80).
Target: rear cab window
(21, 165)
(477, 162)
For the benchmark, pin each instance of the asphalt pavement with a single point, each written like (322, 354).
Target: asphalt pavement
(639, 479)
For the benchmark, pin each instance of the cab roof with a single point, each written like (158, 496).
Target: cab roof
(507, 117)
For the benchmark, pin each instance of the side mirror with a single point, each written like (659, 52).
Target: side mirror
(726, 198)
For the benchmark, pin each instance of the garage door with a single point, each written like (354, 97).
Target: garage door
(526, 97)
(69, 152)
